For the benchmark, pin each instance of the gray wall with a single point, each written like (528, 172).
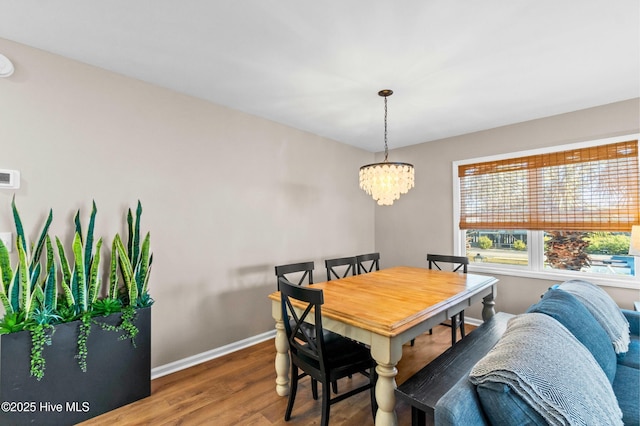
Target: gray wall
(226, 195)
(422, 220)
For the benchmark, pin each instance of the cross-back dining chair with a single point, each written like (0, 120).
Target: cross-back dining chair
(285, 271)
(368, 262)
(340, 267)
(306, 268)
(456, 264)
(312, 355)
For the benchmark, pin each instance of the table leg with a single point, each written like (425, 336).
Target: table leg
(282, 360)
(386, 396)
(387, 352)
(488, 309)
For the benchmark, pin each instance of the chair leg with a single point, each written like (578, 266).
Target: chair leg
(454, 326)
(462, 324)
(314, 389)
(334, 386)
(413, 341)
(326, 396)
(373, 379)
(292, 393)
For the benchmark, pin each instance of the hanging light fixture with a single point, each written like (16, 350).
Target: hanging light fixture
(386, 181)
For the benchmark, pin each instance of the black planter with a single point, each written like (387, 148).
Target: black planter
(117, 374)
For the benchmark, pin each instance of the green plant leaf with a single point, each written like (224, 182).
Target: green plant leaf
(5, 303)
(50, 254)
(65, 269)
(23, 282)
(12, 322)
(51, 289)
(6, 272)
(41, 241)
(103, 307)
(88, 244)
(127, 272)
(129, 234)
(142, 268)
(67, 283)
(19, 228)
(14, 292)
(145, 288)
(94, 275)
(37, 298)
(68, 295)
(79, 274)
(136, 235)
(113, 271)
(76, 220)
(35, 275)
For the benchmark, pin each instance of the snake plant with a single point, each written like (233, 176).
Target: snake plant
(81, 284)
(21, 290)
(29, 292)
(134, 261)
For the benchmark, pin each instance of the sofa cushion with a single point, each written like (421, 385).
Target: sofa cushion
(549, 373)
(627, 389)
(571, 313)
(460, 406)
(633, 317)
(632, 357)
(504, 407)
(604, 310)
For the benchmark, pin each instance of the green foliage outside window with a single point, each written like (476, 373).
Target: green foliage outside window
(608, 243)
(485, 242)
(519, 245)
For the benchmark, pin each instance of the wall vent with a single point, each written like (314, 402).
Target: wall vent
(9, 179)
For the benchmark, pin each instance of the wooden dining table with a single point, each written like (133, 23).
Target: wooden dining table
(385, 309)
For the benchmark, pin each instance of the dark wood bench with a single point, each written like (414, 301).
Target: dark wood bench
(425, 388)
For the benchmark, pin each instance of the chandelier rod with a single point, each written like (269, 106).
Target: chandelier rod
(385, 93)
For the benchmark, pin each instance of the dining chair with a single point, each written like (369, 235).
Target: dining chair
(324, 361)
(306, 278)
(363, 264)
(458, 264)
(282, 271)
(334, 272)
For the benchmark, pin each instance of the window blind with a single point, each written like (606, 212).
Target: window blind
(585, 189)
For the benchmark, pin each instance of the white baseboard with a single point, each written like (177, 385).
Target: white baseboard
(181, 364)
(473, 321)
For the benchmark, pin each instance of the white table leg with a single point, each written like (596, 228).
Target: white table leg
(385, 395)
(387, 353)
(488, 309)
(282, 353)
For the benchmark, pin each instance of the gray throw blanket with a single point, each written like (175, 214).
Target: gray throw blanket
(604, 309)
(551, 371)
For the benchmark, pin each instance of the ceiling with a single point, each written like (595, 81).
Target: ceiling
(455, 66)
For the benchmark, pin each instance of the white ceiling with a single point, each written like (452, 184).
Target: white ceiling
(455, 66)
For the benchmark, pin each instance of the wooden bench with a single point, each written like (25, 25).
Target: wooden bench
(425, 388)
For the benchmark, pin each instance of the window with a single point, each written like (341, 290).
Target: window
(567, 210)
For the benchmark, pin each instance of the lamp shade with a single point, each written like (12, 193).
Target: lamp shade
(386, 181)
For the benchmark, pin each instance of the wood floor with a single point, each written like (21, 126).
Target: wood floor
(239, 389)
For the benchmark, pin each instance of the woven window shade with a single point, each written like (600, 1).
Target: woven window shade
(586, 189)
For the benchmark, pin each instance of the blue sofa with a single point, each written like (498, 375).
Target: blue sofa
(466, 404)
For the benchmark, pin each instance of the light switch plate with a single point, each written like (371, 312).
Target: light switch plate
(7, 239)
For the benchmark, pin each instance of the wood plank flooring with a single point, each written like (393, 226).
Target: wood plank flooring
(239, 389)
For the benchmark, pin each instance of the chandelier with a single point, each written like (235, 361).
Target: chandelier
(386, 181)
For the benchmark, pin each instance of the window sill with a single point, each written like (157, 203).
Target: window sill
(599, 279)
